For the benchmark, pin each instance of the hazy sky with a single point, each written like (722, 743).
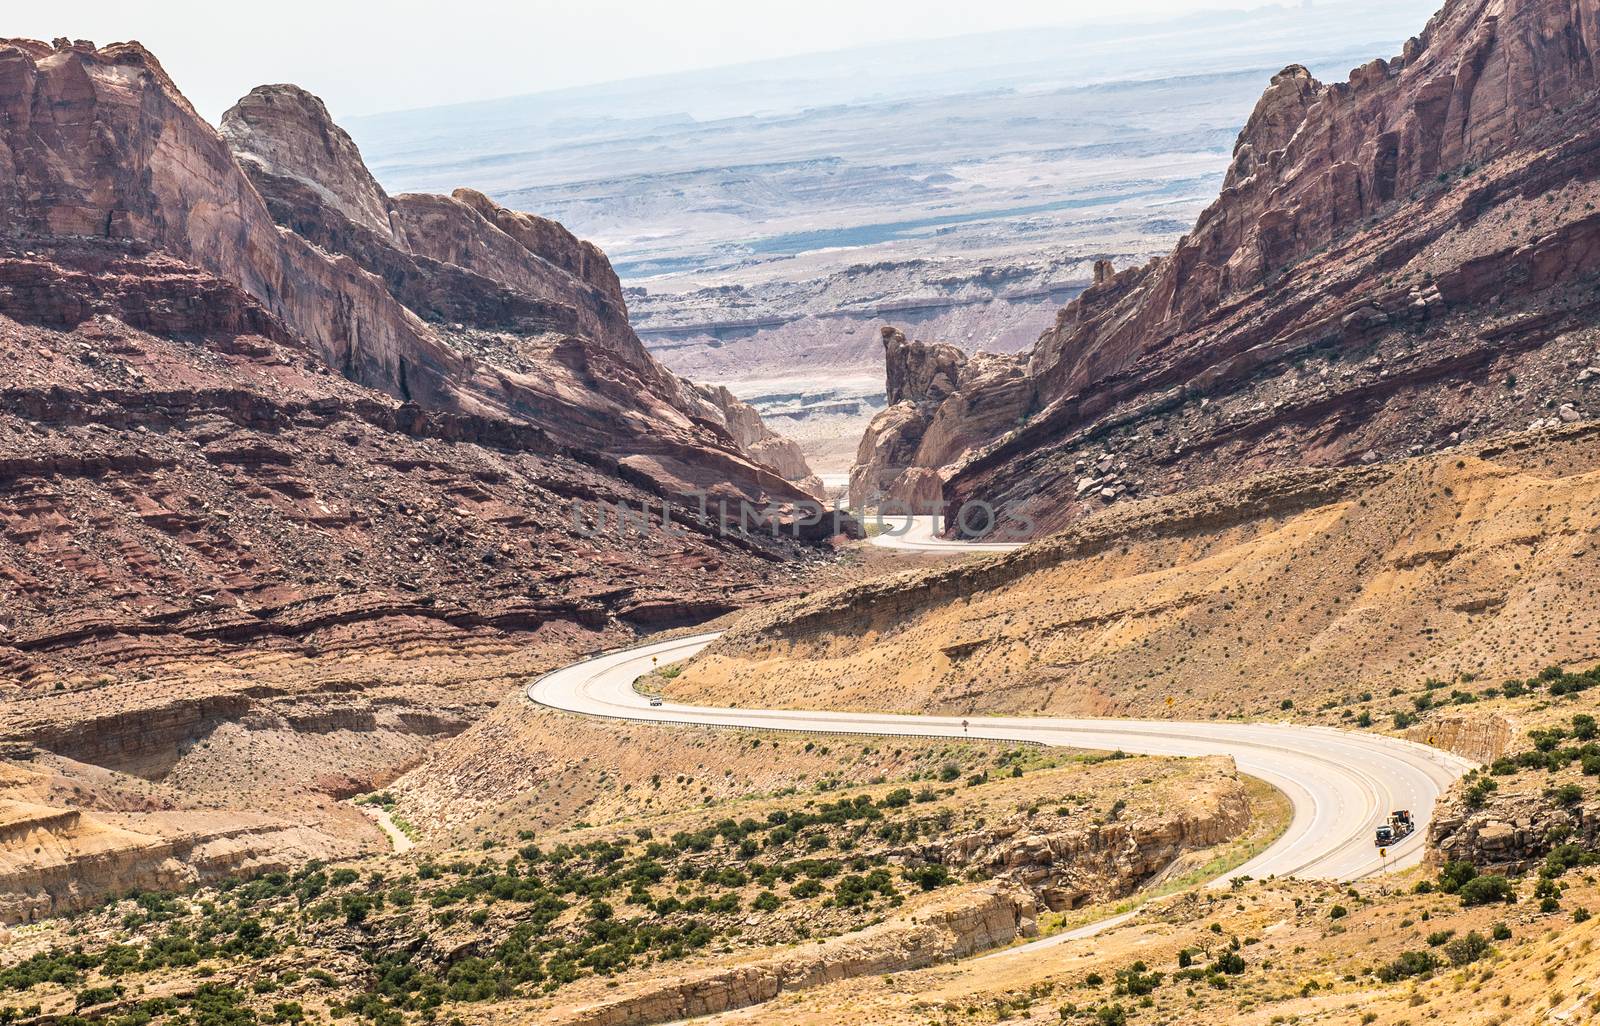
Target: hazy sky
(368, 57)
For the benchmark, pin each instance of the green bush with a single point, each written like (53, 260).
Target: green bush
(1567, 795)
(1137, 980)
(1486, 890)
(930, 877)
(1409, 964)
(1228, 963)
(1455, 875)
(1479, 792)
(1111, 1015)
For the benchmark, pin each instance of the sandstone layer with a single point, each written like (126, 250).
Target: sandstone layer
(1394, 263)
(275, 447)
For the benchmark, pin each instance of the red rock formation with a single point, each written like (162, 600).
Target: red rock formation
(767, 446)
(941, 404)
(1394, 263)
(510, 290)
(311, 413)
(178, 473)
(101, 143)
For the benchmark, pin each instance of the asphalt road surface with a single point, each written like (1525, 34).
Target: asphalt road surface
(1341, 784)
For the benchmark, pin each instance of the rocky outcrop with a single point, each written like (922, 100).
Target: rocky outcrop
(446, 301)
(1395, 263)
(56, 861)
(1512, 832)
(1481, 737)
(1075, 865)
(530, 305)
(981, 919)
(941, 404)
(765, 445)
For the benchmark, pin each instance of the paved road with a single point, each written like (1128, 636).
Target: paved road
(1341, 784)
(919, 534)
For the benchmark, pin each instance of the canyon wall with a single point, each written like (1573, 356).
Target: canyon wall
(286, 463)
(1395, 263)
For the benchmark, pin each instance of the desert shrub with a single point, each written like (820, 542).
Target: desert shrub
(808, 888)
(1486, 890)
(1228, 963)
(1567, 795)
(899, 798)
(1137, 980)
(1455, 875)
(1409, 964)
(930, 877)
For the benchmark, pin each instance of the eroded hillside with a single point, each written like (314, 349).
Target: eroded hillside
(287, 463)
(668, 913)
(1395, 263)
(1311, 588)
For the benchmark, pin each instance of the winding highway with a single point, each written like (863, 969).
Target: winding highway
(1341, 784)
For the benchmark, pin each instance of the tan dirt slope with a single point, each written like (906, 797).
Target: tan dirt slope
(1308, 587)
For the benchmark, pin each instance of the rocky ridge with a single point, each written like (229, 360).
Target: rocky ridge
(514, 293)
(1330, 589)
(281, 456)
(932, 420)
(1395, 263)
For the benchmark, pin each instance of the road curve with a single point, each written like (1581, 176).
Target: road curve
(1341, 784)
(920, 534)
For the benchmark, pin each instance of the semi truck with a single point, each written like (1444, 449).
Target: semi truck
(1398, 828)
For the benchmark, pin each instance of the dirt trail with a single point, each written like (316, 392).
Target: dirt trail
(397, 837)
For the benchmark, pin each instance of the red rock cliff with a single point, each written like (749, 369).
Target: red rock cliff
(447, 301)
(1394, 263)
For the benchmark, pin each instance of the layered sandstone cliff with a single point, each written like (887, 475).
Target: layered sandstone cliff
(1395, 263)
(521, 299)
(286, 463)
(942, 403)
(767, 446)
(451, 302)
